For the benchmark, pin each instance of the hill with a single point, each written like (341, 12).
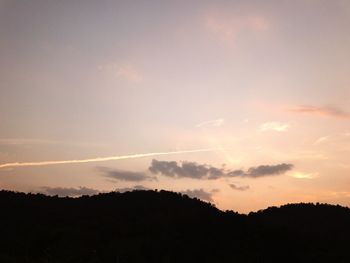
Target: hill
(162, 226)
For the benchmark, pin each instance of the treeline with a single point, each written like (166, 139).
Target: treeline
(163, 226)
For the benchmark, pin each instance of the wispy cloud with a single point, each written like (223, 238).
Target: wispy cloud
(322, 139)
(325, 111)
(228, 28)
(125, 71)
(101, 159)
(303, 175)
(215, 123)
(33, 141)
(274, 126)
(337, 138)
(129, 73)
(26, 141)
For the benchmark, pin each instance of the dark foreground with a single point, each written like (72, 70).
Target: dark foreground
(150, 226)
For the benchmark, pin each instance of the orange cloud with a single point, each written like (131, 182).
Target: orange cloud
(129, 73)
(274, 126)
(215, 123)
(327, 111)
(303, 175)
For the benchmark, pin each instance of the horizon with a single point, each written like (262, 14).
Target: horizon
(245, 104)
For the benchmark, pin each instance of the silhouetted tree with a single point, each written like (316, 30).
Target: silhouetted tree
(163, 226)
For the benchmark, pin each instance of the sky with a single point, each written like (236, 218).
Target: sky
(245, 104)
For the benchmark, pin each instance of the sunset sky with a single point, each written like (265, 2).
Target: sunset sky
(247, 102)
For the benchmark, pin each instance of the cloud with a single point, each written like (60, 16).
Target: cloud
(129, 73)
(239, 188)
(274, 126)
(322, 139)
(303, 175)
(235, 173)
(122, 175)
(203, 171)
(265, 170)
(130, 189)
(24, 141)
(101, 159)
(229, 28)
(200, 194)
(336, 139)
(326, 111)
(33, 141)
(126, 72)
(215, 123)
(186, 169)
(69, 191)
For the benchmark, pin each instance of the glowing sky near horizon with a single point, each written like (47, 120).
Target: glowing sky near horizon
(265, 83)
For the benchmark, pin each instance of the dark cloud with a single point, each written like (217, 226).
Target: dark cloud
(122, 175)
(203, 171)
(265, 170)
(239, 188)
(186, 169)
(236, 173)
(329, 111)
(68, 191)
(200, 194)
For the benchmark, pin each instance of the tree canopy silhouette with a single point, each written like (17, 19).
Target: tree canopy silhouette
(163, 226)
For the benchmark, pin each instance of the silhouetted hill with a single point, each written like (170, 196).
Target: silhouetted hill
(152, 226)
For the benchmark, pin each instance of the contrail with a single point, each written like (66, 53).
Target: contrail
(101, 159)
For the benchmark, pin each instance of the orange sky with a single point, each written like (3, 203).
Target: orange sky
(264, 85)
